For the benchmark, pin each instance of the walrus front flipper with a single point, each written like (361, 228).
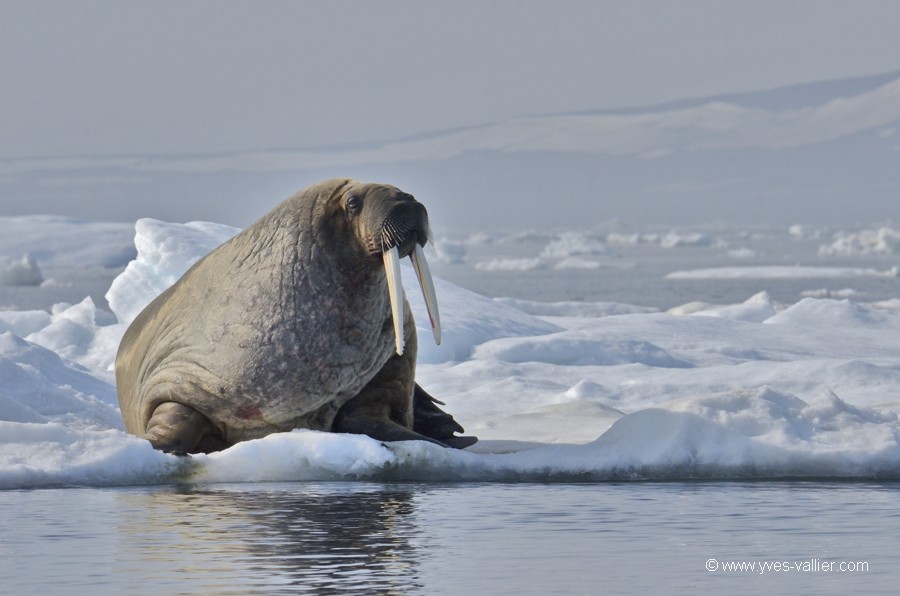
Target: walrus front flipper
(372, 413)
(431, 421)
(177, 428)
(382, 430)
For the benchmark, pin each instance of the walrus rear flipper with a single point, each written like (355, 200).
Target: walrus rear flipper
(431, 421)
(179, 429)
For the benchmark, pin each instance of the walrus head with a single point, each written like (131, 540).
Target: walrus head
(393, 225)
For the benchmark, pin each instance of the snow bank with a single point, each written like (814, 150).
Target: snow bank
(164, 252)
(756, 433)
(756, 309)
(557, 392)
(37, 385)
(840, 314)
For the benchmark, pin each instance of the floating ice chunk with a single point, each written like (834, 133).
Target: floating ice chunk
(573, 244)
(633, 239)
(448, 252)
(806, 231)
(884, 241)
(574, 309)
(577, 263)
(22, 272)
(676, 240)
(510, 265)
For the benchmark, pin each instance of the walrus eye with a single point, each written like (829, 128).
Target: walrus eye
(353, 205)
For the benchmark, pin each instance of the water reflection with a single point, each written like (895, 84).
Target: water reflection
(445, 539)
(296, 537)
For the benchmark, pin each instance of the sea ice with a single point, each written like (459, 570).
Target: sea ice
(565, 391)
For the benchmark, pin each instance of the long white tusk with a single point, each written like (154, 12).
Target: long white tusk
(395, 292)
(417, 256)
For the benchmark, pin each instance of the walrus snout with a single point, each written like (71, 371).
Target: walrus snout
(402, 230)
(403, 227)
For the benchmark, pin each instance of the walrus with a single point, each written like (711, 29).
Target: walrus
(299, 321)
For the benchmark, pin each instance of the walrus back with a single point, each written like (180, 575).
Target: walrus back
(219, 338)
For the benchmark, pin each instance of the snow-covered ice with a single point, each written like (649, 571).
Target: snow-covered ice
(510, 264)
(561, 391)
(780, 272)
(883, 240)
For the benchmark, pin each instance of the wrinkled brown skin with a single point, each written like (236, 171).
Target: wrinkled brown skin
(287, 325)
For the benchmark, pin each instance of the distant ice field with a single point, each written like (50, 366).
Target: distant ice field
(666, 268)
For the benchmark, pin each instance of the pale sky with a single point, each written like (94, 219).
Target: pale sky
(119, 78)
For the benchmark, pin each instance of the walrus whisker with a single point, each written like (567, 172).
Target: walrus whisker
(394, 232)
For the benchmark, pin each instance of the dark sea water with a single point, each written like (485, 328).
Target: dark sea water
(685, 538)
